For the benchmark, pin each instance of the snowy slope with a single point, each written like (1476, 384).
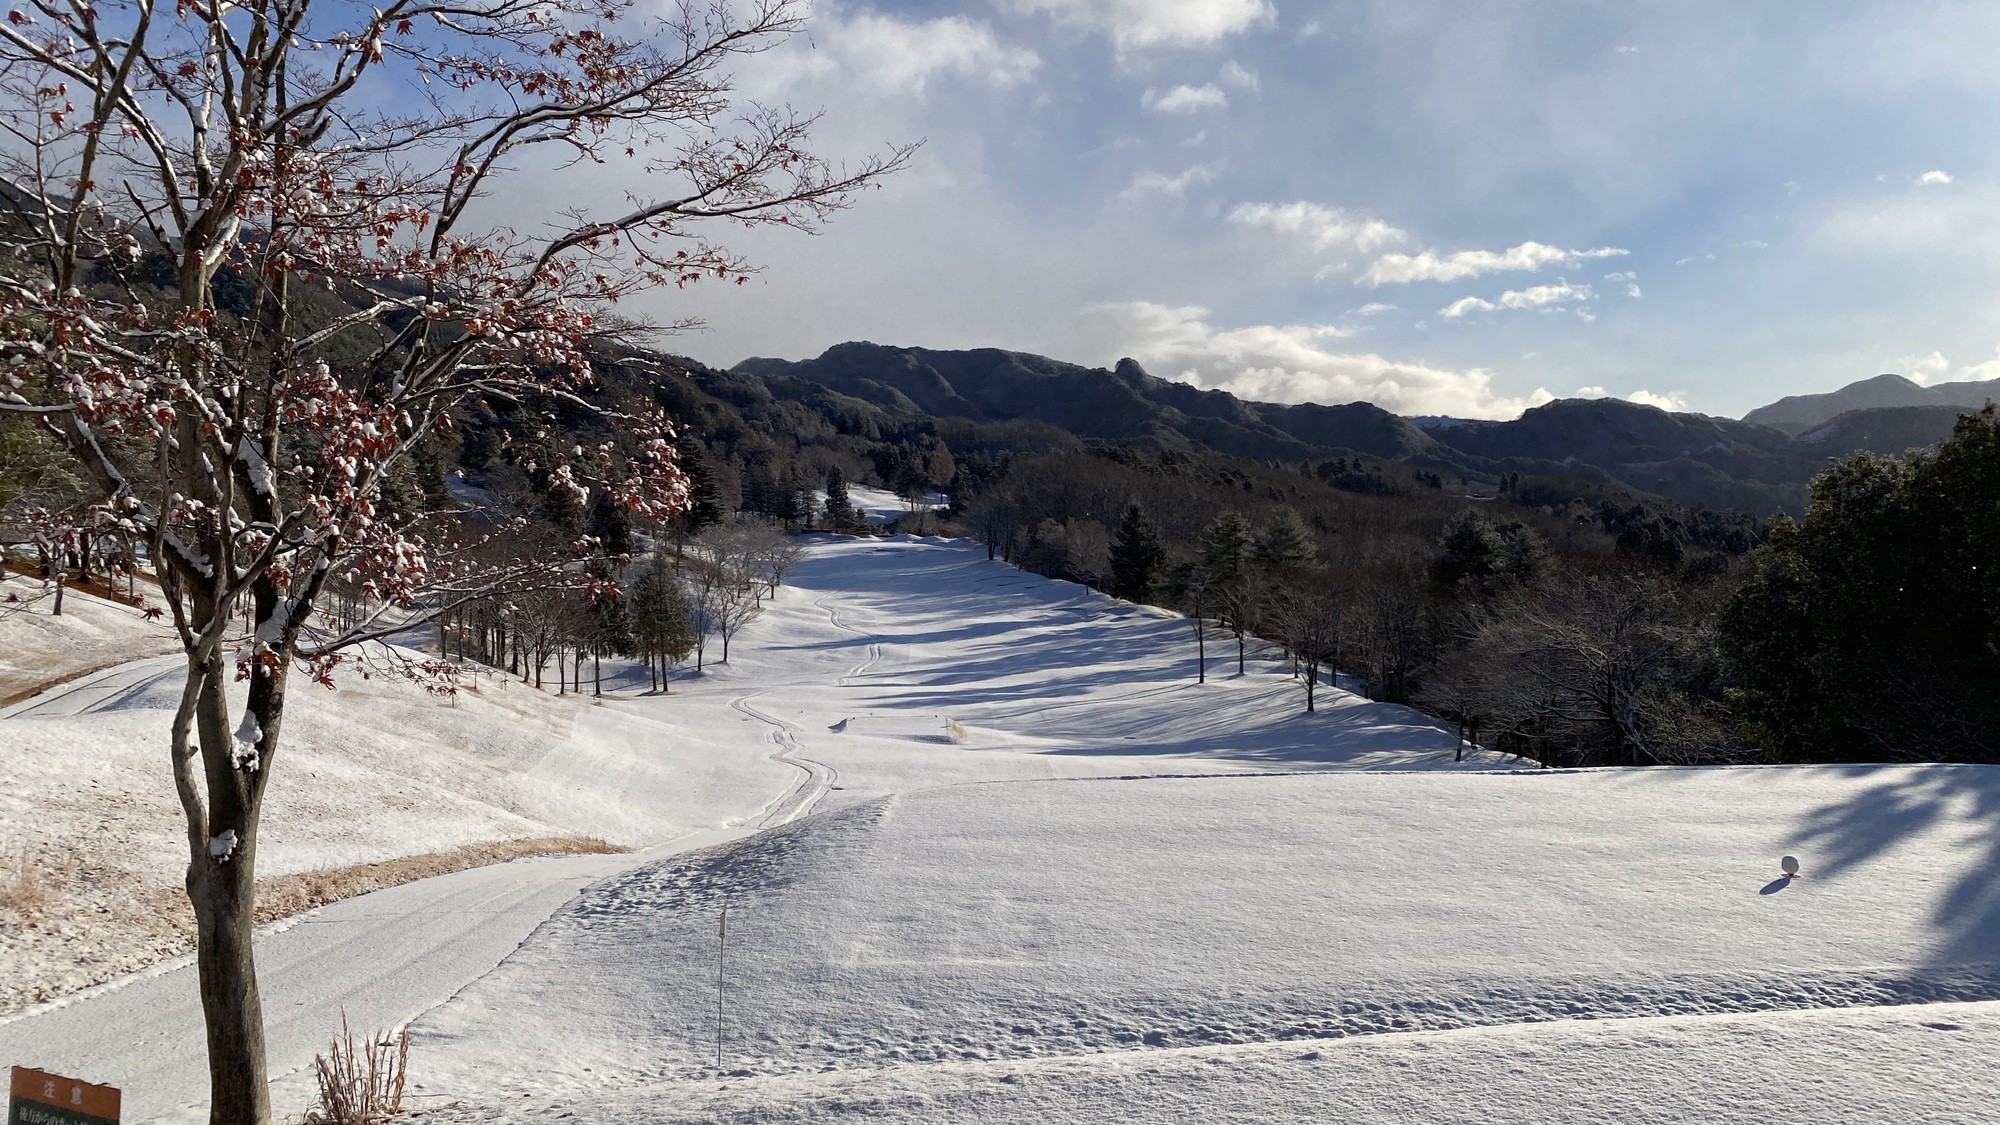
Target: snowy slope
(982, 922)
(38, 648)
(1049, 877)
(1910, 1064)
(373, 771)
(1087, 906)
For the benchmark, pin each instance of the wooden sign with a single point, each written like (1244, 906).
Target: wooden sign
(38, 1098)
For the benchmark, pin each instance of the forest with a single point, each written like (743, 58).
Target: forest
(1571, 622)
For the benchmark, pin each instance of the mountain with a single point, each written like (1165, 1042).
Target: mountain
(1122, 404)
(1798, 413)
(1693, 459)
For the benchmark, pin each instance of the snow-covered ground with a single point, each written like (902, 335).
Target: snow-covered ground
(880, 506)
(1085, 908)
(1048, 877)
(38, 648)
(375, 770)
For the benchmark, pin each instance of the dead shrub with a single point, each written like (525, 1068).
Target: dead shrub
(361, 1083)
(955, 730)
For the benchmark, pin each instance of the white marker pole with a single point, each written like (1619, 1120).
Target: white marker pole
(721, 944)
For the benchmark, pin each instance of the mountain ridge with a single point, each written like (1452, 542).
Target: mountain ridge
(1691, 458)
(1796, 414)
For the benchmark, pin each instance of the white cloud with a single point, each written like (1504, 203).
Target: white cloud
(1396, 269)
(1159, 183)
(1923, 369)
(1155, 23)
(892, 56)
(1282, 363)
(1592, 392)
(1536, 296)
(1625, 275)
(1236, 74)
(1979, 372)
(1628, 50)
(1672, 400)
(1186, 100)
(1633, 291)
(1373, 308)
(1324, 227)
(1533, 297)
(1934, 177)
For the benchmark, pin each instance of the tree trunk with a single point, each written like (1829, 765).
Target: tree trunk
(221, 885)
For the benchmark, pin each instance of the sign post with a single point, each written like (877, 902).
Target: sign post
(39, 1098)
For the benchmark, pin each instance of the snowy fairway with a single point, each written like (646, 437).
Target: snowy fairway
(1015, 865)
(1074, 912)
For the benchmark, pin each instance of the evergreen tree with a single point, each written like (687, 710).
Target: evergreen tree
(839, 509)
(1287, 542)
(662, 622)
(1871, 630)
(705, 505)
(1136, 556)
(610, 525)
(1225, 548)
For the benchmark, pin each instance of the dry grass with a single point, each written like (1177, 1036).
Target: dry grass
(361, 1083)
(295, 894)
(24, 889)
(955, 731)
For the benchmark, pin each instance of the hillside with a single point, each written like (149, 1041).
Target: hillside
(1122, 404)
(1692, 459)
(1796, 414)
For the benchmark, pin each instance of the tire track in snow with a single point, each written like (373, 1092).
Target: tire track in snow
(819, 776)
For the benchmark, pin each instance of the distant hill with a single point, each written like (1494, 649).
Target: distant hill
(1799, 413)
(1121, 404)
(1693, 459)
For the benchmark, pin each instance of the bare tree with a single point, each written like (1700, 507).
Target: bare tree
(252, 143)
(1194, 589)
(1309, 620)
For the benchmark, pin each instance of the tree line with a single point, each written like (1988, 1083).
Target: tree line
(1565, 621)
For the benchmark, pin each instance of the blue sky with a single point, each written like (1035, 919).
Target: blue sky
(1460, 208)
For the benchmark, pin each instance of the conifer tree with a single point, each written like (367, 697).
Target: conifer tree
(705, 507)
(1136, 556)
(1287, 542)
(662, 622)
(839, 508)
(1225, 548)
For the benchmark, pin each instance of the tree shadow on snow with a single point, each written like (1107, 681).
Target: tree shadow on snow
(1901, 803)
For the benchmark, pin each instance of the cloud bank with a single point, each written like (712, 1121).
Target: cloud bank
(1282, 363)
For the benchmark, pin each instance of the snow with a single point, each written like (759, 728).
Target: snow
(1119, 895)
(1092, 906)
(40, 649)
(1854, 1065)
(881, 506)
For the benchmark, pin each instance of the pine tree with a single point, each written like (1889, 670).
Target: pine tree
(705, 507)
(1225, 548)
(662, 622)
(1136, 556)
(1287, 542)
(839, 509)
